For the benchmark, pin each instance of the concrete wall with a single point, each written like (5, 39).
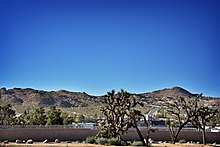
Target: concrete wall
(165, 136)
(40, 134)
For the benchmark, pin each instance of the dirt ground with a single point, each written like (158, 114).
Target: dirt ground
(74, 144)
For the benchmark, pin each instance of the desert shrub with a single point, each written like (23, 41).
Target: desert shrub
(114, 141)
(137, 143)
(90, 139)
(101, 140)
(182, 141)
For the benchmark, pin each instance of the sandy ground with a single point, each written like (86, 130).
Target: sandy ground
(74, 144)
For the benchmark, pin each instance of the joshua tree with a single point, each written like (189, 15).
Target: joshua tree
(203, 115)
(181, 111)
(133, 117)
(115, 111)
(191, 110)
(120, 113)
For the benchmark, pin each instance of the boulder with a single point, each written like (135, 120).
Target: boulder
(29, 141)
(45, 141)
(57, 141)
(124, 143)
(151, 141)
(214, 144)
(5, 141)
(18, 141)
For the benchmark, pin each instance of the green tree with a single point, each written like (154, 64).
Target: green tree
(79, 118)
(24, 118)
(7, 115)
(67, 119)
(54, 116)
(38, 117)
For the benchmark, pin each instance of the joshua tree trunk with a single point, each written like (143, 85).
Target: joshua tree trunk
(203, 137)
(171, 133)
(148, 129)
(139, 133)
(174, 134)
(175, 137)
(141, 136)
(178, 131)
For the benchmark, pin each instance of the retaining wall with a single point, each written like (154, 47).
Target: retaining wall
(40, 134)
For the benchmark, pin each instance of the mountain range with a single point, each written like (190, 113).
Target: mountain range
(67, 99)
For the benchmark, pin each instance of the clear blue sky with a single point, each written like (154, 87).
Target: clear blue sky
(99, 45)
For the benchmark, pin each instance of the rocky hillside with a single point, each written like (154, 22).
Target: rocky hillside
(67, 99)
(159, 97)
(32, 97)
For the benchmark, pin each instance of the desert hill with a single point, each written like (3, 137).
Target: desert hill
(170, 92)
(32, 97)
(68, 99)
